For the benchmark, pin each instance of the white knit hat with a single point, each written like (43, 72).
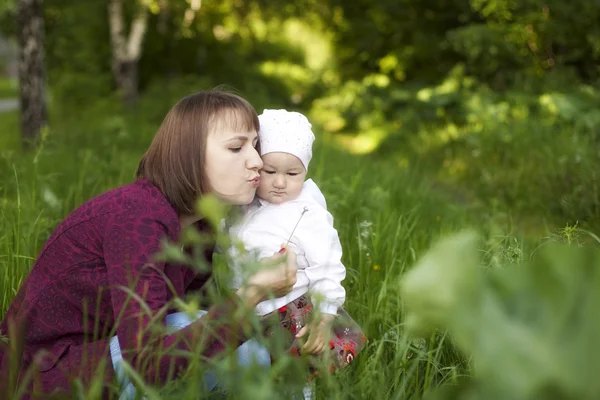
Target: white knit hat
(286, 132)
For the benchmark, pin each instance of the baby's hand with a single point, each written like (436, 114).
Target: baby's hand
(318, 336)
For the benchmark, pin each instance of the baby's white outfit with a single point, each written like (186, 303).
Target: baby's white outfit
(265, 227)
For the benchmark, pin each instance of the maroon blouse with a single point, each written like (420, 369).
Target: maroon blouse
(77, 282)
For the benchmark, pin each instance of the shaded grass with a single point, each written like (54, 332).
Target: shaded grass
(8, 88)
(9, 132)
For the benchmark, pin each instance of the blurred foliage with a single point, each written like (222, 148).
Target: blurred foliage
(405, 40)
(470, 91)
(529, 148)
(525, 325)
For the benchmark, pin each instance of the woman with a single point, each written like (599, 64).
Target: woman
(74, 298)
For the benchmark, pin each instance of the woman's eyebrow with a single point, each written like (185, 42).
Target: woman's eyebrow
(241, 137)
(238, 137)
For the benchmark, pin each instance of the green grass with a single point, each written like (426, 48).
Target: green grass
(9, 133)
(387, 218)
(8, 88)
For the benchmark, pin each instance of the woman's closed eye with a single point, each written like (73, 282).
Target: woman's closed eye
(237, 149)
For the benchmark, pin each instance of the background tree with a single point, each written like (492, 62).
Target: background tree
(126, 47)
(32, 76)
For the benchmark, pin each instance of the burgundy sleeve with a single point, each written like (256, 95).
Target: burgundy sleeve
(131, 241)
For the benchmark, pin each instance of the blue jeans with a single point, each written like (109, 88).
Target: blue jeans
(249, 353)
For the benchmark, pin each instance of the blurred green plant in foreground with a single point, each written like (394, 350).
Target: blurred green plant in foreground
(529, 328)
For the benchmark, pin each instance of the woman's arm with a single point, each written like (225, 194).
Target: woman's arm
(139, 291)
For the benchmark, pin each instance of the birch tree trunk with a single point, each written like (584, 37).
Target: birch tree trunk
(32, 75)
(126, 49)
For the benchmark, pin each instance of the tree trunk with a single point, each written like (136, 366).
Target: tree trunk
(129, 81)
(126, 51)
(32, 74)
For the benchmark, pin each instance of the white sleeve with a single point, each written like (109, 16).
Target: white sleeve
(323, 250)
(313, 190)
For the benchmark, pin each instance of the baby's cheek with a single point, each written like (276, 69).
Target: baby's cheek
(262, 186)
(262, 190)
(297, 189)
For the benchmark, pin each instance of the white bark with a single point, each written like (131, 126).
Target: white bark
(136, 36)
(126, 50)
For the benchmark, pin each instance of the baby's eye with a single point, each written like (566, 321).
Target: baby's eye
(292, 173)
(268, 172)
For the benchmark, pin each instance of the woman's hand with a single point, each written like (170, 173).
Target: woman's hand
(277, 277)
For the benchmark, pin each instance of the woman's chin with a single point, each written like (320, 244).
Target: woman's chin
(242, 201)
(238, 199)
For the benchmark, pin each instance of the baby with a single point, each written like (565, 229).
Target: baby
(290, 211)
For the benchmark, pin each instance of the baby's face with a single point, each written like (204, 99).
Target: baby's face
(281, 178)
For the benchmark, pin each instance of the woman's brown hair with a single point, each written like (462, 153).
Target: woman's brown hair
(175, 160)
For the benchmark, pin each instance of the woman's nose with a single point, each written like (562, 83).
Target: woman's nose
(254, 161)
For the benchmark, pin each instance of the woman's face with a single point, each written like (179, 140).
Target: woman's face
(232, 165)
